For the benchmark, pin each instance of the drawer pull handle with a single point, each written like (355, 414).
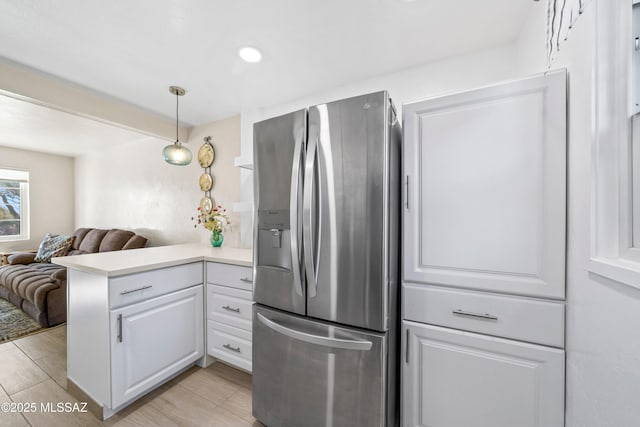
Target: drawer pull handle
(246, 280)
(488, 316)
(136, 290)
(230, 347)
(228, 308)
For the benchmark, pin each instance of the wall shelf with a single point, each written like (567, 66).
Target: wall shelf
(243, 162)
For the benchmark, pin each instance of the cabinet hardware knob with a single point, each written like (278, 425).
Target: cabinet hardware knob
(230, 347)
(229, 308)
(488, 316)
(136, 290)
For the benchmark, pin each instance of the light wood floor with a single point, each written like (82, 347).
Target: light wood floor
(33, 369)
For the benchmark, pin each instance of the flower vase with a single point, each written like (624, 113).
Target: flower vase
(216, 239)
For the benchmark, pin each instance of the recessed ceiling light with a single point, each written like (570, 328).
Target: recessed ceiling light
(250, 54)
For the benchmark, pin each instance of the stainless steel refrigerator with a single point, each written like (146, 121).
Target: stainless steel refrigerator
(325, 331)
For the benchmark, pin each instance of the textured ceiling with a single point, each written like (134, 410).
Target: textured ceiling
(134, 50)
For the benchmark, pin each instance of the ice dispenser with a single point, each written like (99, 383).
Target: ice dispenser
(274, 240)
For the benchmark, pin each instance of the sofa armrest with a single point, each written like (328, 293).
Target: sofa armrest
(21, 258)
(60, 275)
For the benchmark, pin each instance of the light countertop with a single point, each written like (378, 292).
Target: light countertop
(118, 263)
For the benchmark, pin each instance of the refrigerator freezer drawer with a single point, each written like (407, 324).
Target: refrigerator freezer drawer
(310, 373)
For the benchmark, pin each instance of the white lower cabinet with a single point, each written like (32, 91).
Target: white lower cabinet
(229, 314)
(453, 378)
(128, 334)
(154, 339)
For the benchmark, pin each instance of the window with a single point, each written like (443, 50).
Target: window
(615, 249)
(14, 205)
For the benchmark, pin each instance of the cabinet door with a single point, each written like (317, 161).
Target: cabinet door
(154, 339)
(453, 378)
(484, 175)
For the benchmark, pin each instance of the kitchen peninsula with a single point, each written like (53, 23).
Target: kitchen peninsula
(137, 318)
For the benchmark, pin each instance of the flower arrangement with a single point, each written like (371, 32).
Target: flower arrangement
(216, 221)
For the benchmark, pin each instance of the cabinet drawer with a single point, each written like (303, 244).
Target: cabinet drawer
(234, 276)
(524, 319)
(230, 306)
(141, 286)
(229, 344)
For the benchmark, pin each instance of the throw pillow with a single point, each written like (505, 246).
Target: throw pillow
(53, 245)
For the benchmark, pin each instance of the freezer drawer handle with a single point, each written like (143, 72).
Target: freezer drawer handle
(229, 308)
(460, 312)
(136, 290)
(316, 339)
(230, 347)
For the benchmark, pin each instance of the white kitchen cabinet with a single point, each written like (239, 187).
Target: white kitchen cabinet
(128, 334)
(454, 378)
(527, 319)
(229, 314)
(154, 339)
(483, 262)
(484, 188)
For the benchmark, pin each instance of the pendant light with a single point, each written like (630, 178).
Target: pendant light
(176, 153)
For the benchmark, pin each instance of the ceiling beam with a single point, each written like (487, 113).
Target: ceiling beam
(20, 82)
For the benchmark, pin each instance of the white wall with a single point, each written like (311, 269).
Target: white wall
(136, 190)
(603, 317)
(51, 194)
(424, 81)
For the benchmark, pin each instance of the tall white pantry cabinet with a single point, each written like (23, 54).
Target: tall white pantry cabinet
(484, 256)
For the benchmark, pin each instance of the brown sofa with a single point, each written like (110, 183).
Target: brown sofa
(40, 289)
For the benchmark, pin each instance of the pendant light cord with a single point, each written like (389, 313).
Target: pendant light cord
(177, 139)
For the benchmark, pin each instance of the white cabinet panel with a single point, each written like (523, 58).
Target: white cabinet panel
(229, 314)
(230, 306)
(148, 284)
(485, 198)
(142, 357)
(230, 345)
(454, 378)
(234, 276)
(521, 318)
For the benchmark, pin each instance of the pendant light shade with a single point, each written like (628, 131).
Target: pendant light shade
(176, 153)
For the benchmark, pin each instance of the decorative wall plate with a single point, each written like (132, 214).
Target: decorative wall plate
(206, 182)
(206, 204)
(206, 155)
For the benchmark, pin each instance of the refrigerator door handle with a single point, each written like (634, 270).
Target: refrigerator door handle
(307, 209)
(316, 339)
(293, 215)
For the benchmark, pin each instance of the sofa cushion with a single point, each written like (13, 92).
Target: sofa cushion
(91, 242)
(30, 282)
(53, 245)
(115, 240)
(78, 236)
(21, 258)
(136, 242)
